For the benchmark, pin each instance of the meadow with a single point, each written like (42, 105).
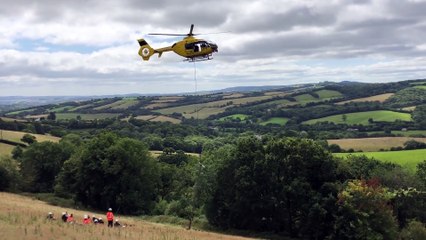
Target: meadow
(120, 104)
(372, 144)
(241, 117)
(363, 117)
(407, 159)
(275, 120)
(6, 149)
(16, 136)
(85, 116)
(375, 98)
(25, 218)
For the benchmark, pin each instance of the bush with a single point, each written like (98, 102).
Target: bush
(414, 231)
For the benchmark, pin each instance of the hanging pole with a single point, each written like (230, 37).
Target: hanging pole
(196, 87)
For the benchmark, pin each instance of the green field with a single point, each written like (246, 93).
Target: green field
(5, 149)
(373, 144)
(305, 98)
(16, 136)
(210, 108)
(120, 104)
(6, 119)
(420, 87)
(275, 120)
(328, 94)
(60, 109)
(362, 117)
(20, 111)
(407, 159)
(241, 117)
(84, 116)
(408, 133)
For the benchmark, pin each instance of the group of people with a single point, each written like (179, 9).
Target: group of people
(69, 218)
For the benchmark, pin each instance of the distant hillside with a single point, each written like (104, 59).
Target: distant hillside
(338, 103)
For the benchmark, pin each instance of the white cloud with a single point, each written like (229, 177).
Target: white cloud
(90, 46)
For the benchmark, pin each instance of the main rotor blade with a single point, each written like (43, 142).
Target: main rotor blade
(167, 34)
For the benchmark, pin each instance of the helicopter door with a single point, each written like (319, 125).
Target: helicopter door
(197, 47)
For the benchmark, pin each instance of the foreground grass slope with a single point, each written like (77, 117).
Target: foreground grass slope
(24, 218)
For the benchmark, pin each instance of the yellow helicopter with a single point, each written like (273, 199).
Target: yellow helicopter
(191, 48)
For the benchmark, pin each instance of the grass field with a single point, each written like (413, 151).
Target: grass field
(84, 116)
(5, 149)
(15, 136)
(6, 119)
(372, 144)
(375, 98)
(120, 104)
(328, 94)
(407, 159)
(165, 119)
(60, 109)
(210, 108)
(421, 87)
(80, 107)
(362, 117)
(20, 111)
(242, 117)
(408, 133)
(25, 218)
(275, 120)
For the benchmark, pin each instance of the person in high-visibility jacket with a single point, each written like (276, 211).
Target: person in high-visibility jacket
(110, 217)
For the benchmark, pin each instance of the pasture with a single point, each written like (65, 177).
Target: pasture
(85, 116)
(6, 119)
(15, 136)
(363, 117)
(408, 133)
(120, 104)
(372, 144)
(6, 149)
(241, 117)
(275, 120)
(328, 94)
(25, 218)
(408, 159)
(210, 108)
(376, 98)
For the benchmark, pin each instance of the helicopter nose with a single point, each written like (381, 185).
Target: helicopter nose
(214, 47)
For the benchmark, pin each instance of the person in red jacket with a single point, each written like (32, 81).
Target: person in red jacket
(110, 217)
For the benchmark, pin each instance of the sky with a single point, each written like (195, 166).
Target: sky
(89, 47)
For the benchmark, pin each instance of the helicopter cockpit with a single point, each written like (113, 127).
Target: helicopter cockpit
(200, 45)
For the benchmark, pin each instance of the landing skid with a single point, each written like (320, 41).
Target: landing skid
(199, 59)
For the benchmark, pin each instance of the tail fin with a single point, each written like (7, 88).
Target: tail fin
(145, 51)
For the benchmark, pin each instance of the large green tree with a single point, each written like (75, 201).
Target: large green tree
(276, 188)
(112, 172)
(41, 163)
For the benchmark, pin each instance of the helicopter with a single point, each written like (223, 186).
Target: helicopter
(191, 48)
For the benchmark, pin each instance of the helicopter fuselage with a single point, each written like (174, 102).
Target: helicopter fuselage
(191, 47)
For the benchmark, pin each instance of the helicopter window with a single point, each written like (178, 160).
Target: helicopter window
(189, 46)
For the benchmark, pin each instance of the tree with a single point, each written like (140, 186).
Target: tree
(421, 173)
(364, 212)
(51, 116)
(28, 138)
(9, 174)
(41, 163)
(277, 188)
(114, 172)
(344, 117)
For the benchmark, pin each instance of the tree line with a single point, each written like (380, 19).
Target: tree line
(289, 186)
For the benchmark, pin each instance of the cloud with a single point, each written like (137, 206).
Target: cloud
(91, 43)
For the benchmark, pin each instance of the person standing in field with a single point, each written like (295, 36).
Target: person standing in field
(110, 217)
